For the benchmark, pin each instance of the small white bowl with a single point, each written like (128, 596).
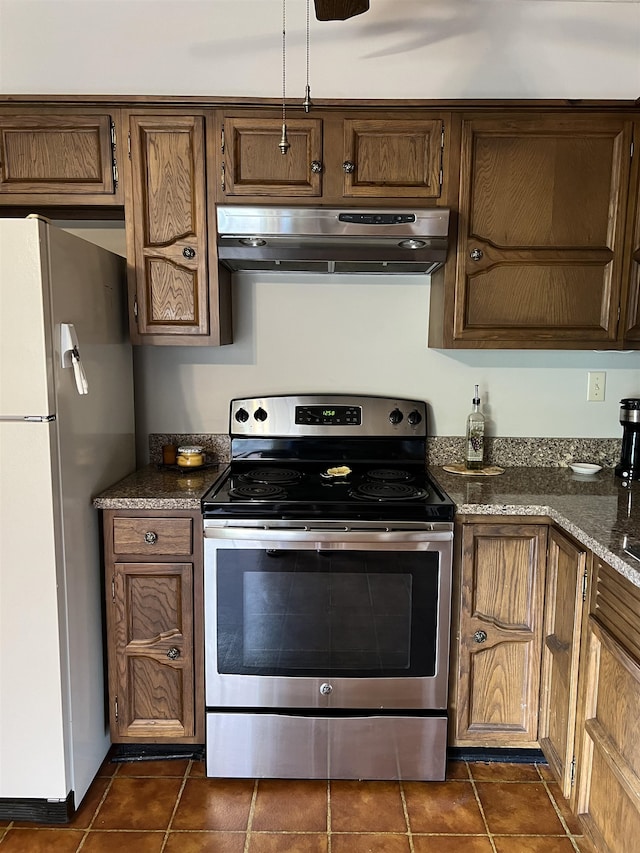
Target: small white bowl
(585, 468)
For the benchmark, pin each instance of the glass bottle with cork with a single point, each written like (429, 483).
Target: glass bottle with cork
(474, 446)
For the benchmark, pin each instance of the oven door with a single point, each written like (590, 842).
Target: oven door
(325, 618)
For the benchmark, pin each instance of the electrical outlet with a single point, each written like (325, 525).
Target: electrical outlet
(595, 386)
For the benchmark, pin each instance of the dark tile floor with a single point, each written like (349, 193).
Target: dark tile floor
(168, 806)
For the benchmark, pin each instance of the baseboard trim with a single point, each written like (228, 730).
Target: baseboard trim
(37, 809)
(495, 754)
(122, 752)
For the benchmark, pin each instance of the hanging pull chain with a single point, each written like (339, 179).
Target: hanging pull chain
(307, 92)
(284, 145)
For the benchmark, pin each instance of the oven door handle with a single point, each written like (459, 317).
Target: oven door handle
(345, 536)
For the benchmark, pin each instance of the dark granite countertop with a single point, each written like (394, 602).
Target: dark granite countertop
(160, 487)
(599, 511)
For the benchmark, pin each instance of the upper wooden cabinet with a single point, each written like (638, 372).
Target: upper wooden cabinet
(541, 234)
(178, 295)
(495, 673)
(630, 318)
(59, 158)
(253, 165)
(361, 158)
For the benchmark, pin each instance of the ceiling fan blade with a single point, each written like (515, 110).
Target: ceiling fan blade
(339, 10)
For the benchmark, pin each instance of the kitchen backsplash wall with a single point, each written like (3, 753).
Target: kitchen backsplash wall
(445, 450)
(354, 335)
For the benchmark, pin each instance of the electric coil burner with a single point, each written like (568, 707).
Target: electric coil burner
(328, 552)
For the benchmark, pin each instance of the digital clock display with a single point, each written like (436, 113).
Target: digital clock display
(329, 416)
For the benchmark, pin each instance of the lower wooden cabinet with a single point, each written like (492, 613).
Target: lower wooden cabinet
(607, 797)
(495, 672)
(154, 626)
(565, 595)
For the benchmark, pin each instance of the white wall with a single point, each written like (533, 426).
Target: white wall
(398, 49)
(343, 335)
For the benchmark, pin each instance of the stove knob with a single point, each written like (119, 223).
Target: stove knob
(414, 417)
(396, 416)
(260, 414)
(242, 416)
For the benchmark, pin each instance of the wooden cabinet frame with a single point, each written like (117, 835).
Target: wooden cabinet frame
(156, 674)
(606, 797)
(568, 568)
(498, 606)
(61, 157)
(542, 238)
(178, 294)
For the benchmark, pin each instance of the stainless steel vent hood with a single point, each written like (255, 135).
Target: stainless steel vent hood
(315, 239)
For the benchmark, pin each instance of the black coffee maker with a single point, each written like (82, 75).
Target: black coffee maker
(629, 467)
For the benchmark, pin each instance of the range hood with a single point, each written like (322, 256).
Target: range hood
(324, 240)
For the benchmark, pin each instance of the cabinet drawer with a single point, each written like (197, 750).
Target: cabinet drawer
(149, 536)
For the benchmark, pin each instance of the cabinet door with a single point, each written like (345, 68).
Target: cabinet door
(631, 315)
(152, 664)
(607, 793)
(541, 230)
(255, 166)
(386, 158)
(177, 293)
(564, 598)
(57, 155)
(498, 656)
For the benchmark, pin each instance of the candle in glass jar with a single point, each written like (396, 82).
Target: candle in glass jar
(169, 454)
(190, 457)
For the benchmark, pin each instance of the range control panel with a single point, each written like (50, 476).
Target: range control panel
(324, 415)
(329, 415)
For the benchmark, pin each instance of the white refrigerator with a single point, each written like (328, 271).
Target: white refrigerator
(66, 433)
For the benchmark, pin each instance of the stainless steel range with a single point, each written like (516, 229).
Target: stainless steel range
(328, 551)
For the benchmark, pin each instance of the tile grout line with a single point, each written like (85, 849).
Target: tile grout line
(329, 816)
(86, 832)
(557, 810)
(560, 815)
(185, 776)
(252, 809)
(481, 807)
(406, 816)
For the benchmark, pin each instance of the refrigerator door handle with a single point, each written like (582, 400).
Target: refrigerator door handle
(29, 418)
(70, 355)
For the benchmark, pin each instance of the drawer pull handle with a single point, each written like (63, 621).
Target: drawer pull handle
(150, 537)
(348, 167)
(480, 636)
(188, 253)
(476, 254)
(173, 653)
(316, 166)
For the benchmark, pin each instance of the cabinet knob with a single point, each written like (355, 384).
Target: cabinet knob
(479, 636)
(173, 653)
(326, 688)
(150, 537)
(188, 253)
(316, 166)
(348, 167)
(476, 254)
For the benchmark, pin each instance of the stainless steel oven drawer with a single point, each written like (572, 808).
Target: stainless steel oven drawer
(287, 746)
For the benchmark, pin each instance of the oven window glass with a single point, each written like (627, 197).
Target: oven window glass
(356, 613)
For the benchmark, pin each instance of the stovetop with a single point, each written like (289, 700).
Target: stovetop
(328, 456)
(380, 491)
